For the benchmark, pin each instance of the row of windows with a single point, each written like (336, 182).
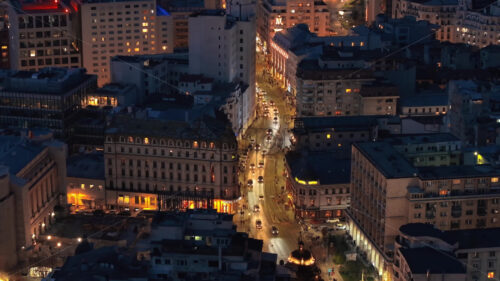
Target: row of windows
(56, 61)
(325, 191)
(178, 143)
(187, 154)
(162, 164)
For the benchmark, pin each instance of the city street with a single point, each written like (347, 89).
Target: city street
(266, 201)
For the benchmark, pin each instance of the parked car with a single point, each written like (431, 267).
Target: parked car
(261, 164)
(261, 179)
(261, 197)
(275, 119)
(269, 131)
(250, 183)
(257, 147)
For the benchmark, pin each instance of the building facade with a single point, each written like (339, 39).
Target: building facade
(45, 33)
(319, 187)
(31, 183)
(439, 192)
(111, 28)
(229, 38)
(50, 98)
(162, 165)
(275, 16)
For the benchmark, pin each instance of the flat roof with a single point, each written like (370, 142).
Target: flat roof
(338, 123)
(459, 171)
(427, 259)
(383, 156)
(16, 153)
(319, 166)
(421, 139)
(435, 99)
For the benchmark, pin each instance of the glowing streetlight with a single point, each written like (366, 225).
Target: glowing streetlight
(58, 244)
(79, 239)
(49, 237)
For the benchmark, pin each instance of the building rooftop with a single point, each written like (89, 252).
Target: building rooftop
(429, 260)
(89, 166)
(309, 69)
(421, 139)
(49, 80)
(318, 166)
(466, 239)
(379, 89)
(148, 61)
(421, 230)
(475, 238)
(16, 152)
(383, 156)
(437, 2)
(460, 171)
(434, 99)
(106, 263)
(203, 128)
(335, 123)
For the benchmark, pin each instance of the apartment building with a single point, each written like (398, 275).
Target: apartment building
(334, 133)
(163, 164)
(458, 21)
(44, 33)
(50, 98)
(317, 184)
(223, 48)
(277, 15)
(323, 91)
(449, 255)
(111, 28)
(31, 182)
(390, 188)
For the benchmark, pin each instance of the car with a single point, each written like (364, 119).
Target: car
(272, 103)
(252, 166)
(275, 111)
(250, 147)
(275, 119)
(256, 208)
(257, 147)
(264, 152)
(250, 183)
(269, 132)
(340, 226)
(261, 164)
(98, 213)
(258, 224)
(274, 230)
(261, 179)
(269, 138)
(252, 140)
(261, 197)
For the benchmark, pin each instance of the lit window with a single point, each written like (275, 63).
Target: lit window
(348, 91)
(146, 140)
(136, 49)
(144, 24)
(212, 145)
(144, 30)
(443, 192)
(130, 139)
(164, 47)
(339, 145)
(32, 53)
(82, 186)
(456, 181)
(362, 43)
(494, 179)
(128, 43)
(195, 144)
(328, 136)
(491, 275)
(293, 11)
(352, 44)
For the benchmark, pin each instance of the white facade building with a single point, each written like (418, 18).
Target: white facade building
(223, 48)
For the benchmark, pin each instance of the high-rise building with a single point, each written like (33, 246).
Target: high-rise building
(111, 28)
(31, 181)
(222, 47)
(44, 33)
